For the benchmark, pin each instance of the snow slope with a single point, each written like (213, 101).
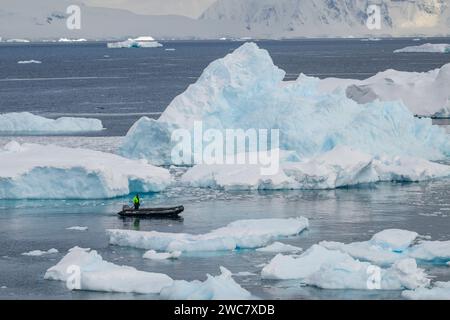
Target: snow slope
(246, 90)
(241, 234)
(30, 124)
(32, 171)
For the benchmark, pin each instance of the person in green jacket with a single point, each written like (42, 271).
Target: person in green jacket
(136, 202)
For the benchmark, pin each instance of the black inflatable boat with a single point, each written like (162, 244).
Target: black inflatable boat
(151, 212)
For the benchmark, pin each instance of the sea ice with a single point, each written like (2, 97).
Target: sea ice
(78, 228)
(221, 287)
(32, 171)
(38, 253)
(30, 124)
(29, 61)
(246, 90)
(439, 291)
(99, 275)
(279, 247)
(241, 234)
(153, 255)
(427, 47)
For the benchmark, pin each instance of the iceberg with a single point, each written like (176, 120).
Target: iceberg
(97, 274)
(78, 228)
(427, 47)
(392, 245)
(333, 269)
(29, 62)
(139, 42)
(29, 124)
(221, 287)
(439, 291)
(341, 167)
(240, 234)
(246, 90)
(28, 172)
(423, 93)
(153, 255)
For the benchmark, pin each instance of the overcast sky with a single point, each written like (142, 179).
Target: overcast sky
(190, 8)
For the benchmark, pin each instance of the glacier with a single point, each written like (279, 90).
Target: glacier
(341, 167)
(139, 42)
(246, 90)
(427, 47)
(33, 171)
(333, 269)
(240, 234)
(29, 124)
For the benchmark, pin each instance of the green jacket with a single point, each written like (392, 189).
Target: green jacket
(136, 200)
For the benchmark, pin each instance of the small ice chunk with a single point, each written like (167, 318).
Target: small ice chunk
(153, 255)
(38, 253)
(440, 291)
(279, 247)
(221, 287)
(394, 239)
(29, 62)
(78, 228)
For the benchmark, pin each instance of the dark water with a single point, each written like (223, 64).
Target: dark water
(120, 85)
(77, 79)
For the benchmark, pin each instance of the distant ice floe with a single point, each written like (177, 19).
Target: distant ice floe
(140, 42)
(71, 40)
(246, 90)
(241, 234)
(153, 255)
(33, 171)
(340, 167)
(29, 124)
(279, 247)
(438, 291)
(78, 228)
(97, 274)
(38, 253)
(18, 40)
(427, 47)
(29, 62)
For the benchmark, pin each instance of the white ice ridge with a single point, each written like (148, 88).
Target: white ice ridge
(333, 269)
(33, 171)
(241, 234)
(28, 123)
(139, 42)
(37, 253)
(97, 274)
(427, 47)
(29, 61)
(246, 90)
(389, 246)
(340, 167)
(439, 291)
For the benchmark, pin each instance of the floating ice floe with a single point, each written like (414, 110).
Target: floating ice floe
(30, 124)
(389, 246)
(427, 47)
(99, 275)
(78, 228)
(279, 247)
(246, 90)
(38, 253)
(29, 62)
(140, 42)
(33, 171)
(153, 255)
(96, 274)
(71, 40)
(340, 167)
(439, 291)
(241, 234)
(221, 287)
(18, 40)
(333, 269)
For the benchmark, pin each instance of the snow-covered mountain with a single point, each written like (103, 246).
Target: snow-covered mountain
(294, 18)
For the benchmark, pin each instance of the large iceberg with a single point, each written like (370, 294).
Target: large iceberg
(427, 47)
(424, 93)
(139, 42)
(340, 167)
(333, 269)
(245, 90)
(241, 234)
(33, 171)
(96, 274)
(30, 124)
